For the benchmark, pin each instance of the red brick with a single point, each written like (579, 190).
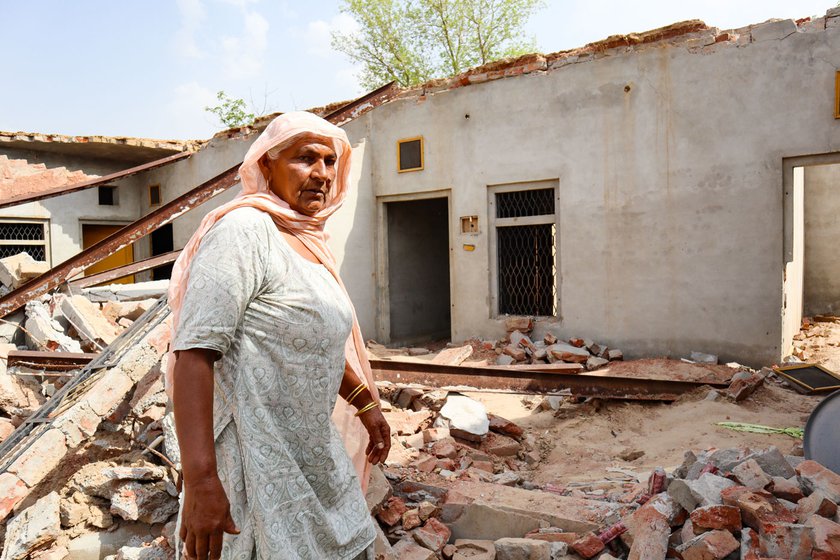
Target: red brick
(588, 545)
(505, 427)
(12, 492)
(758, 508)
(826, 538)
(392, 511)
(486, 466)
(815, 504)
(431, 435)
(445, 448)
(433, 535)
(786, 540)
(750, 546)
(446, 464)
(709, 518)
(426, 463)
(499, 445)
(786, 489)
(649, 530)
(816, 477)
(714, 545)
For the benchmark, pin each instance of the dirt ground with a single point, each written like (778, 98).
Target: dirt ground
(598, 440)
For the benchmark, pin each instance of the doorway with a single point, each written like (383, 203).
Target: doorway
(812, 228)
(93, 234)
(418, 270)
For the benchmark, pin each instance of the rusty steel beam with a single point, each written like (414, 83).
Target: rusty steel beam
(518, 381)
(113, 243)
(125, 270)
(48, 360)
(75, 187)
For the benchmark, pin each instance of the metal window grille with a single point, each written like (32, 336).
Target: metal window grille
(517, 204)
(23, 237)
(525, 233)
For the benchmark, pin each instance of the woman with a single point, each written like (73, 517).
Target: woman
(265, 339)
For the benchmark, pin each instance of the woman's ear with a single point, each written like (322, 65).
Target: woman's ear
(264, 168)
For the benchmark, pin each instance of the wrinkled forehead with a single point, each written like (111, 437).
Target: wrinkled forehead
(303, 139)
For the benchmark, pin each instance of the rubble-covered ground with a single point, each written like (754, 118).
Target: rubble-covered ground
(472, 474)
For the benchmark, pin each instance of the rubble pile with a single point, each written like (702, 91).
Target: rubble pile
(99, 478)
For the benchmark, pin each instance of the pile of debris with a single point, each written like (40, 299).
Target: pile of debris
(719, 504)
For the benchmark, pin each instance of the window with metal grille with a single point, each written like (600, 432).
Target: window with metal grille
(19, 236)
(524, 249)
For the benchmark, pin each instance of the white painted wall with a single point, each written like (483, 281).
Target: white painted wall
(670, 220)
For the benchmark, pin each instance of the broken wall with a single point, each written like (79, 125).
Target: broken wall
(669, 163)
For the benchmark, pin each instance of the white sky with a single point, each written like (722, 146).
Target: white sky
(148, 69)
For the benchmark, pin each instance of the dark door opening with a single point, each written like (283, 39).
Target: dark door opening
(418, 270)
(162, 242)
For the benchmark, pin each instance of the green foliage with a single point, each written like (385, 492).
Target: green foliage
(230, 112)
(413, 41)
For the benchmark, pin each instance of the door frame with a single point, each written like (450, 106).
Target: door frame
(383, 292)
(790, 324)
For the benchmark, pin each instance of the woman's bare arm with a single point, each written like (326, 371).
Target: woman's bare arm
(373, 420)
(206, 514)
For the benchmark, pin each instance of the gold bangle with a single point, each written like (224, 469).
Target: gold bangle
(369, 406)
(355, 393)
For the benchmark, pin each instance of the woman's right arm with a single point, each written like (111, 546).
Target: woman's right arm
(206, 513)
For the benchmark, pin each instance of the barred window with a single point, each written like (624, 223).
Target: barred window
(525, 232)
(19, 236)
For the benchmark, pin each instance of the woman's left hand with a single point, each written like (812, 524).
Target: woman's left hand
(379, 434)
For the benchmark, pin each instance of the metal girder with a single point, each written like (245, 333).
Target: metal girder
(519, 381)
(113, 243)
(125, 270)
(48, 360)
(374, 98)
(75, 187)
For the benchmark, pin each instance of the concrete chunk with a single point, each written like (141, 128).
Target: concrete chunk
(522, 549)
(773, 30)
(35, 527)
(89, 321)
(466, 414)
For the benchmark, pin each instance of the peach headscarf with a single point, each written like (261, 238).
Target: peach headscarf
(310, 231)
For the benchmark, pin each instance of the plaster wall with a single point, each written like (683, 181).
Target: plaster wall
(669, 165)
(822, 232)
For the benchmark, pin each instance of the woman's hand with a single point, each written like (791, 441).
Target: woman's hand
(379, 434)
(205, 519)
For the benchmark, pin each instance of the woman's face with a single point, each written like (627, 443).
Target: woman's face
(303, 173)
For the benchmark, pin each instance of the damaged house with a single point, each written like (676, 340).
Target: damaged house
(662, 192)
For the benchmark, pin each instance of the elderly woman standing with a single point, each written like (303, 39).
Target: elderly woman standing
(265, 341)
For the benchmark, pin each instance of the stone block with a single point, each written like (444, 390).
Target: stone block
(817, 478)
(714, 545)
(773, 30)
(568, 353)
(408, 549)
(589, 545)
(786, 540)
(147, 503)
(35, 527)
(453, 356)
(474, 549)
(749, 474)
(86, 317)
(518, 354)
(595, 362)
(522, 549)
(826, 538)
(40, 458)
(378, 490)
(710, 518)
(815, 504)
(466, 414)
(499, 445)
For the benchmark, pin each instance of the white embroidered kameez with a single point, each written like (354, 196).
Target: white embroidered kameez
(280, 323)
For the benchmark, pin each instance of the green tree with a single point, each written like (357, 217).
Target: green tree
(412, 41)
(230, 112)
